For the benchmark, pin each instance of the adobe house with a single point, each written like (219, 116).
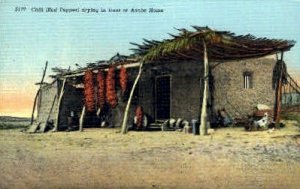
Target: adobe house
(243, 72)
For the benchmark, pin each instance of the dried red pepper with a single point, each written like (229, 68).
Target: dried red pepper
(111, 95)
(101, 89)
(123, 79)
(89, 91)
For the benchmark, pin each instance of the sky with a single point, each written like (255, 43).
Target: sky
(29, 37)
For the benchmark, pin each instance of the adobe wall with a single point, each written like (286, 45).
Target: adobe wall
(185, 88)
(45, 101)
(229, 90)
(185, 92)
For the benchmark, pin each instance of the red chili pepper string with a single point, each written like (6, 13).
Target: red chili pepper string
(101, 89)
(111, 95)
(123, 79)
(89, 91)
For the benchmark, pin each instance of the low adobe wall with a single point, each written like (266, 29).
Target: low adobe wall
(45, 101)
(229, 91)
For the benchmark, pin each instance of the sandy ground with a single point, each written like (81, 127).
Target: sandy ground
(103, 158)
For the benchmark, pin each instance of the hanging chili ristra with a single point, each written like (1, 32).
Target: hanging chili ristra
(101, 89)
(111, 96)
(123, 79)
(89, 91)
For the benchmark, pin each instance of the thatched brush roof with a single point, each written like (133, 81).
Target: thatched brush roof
(221, 45)
(188, 45)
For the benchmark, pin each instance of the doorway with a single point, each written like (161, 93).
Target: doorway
(162, 97)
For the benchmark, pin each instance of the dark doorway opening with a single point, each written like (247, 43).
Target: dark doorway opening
(162, 97)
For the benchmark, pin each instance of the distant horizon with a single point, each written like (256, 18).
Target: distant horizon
(33, 36)
(12, 116)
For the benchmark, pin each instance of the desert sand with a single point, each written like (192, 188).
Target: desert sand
(104, 158)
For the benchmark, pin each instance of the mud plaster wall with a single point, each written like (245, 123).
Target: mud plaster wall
(185, 91)
(229, 92)
(185, 88)
(45, 101)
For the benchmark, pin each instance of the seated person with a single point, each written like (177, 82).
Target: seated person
(140, 121)
(224, 118)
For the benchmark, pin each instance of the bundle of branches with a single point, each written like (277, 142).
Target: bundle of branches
(59, 72)
(101, 89)
(111, 95)
(89, 91)
(123, 79)
(139, 114)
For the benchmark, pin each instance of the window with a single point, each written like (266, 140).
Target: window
(247, 80)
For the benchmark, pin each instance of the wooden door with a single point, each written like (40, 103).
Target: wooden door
(162, 97)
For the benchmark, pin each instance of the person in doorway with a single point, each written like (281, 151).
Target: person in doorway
(140, 119)
(73, 121)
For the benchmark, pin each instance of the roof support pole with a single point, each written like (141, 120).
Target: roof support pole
(38, 92)
(81, 120)
(34, 105)
(125, 118)
(204, 125)
(279, 92)
(62, 91)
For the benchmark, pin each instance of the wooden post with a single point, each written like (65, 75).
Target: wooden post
(124, 123)
(81, 120)
(38, 92)
(62, 91)
(203, 127)
(34, 104)
(278, 102)
(279, 93)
